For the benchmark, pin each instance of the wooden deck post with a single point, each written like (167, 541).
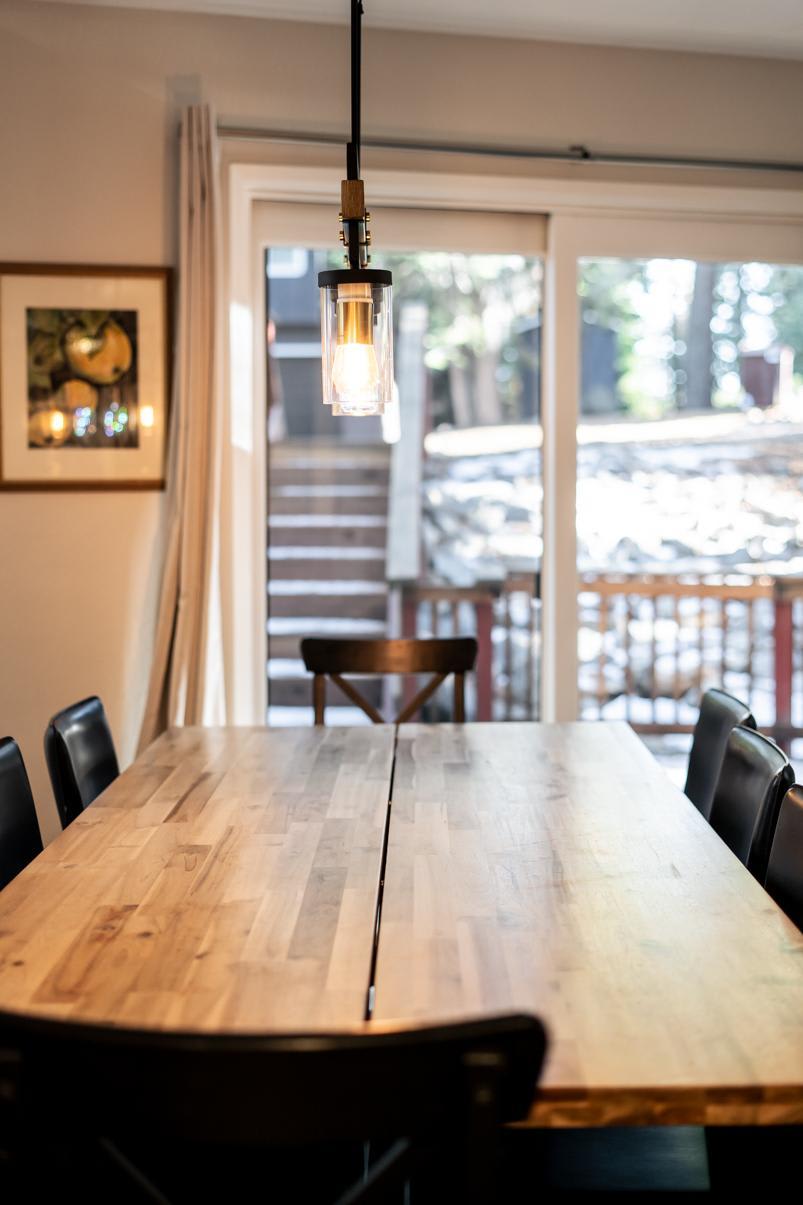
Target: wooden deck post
(485, 620)
(409, 631)
(784, 652)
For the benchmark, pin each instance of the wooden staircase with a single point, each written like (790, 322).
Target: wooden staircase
(327, 530)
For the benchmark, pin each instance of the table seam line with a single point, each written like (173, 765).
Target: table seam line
(370, 995)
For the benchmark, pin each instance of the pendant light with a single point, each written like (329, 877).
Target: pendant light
(356, 301)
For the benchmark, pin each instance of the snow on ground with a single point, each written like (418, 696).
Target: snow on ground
(712, 493)
(715, 495)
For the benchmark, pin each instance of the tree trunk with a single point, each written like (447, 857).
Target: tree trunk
(462, 410)
(488, 408)
(699, 344)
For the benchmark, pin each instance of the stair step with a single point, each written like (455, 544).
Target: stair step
(326, 563)
(327, 532)
(289, 646)
(293, 692)
(328, 490)
(301, 717)
(289, 473)
(281, 668)
(361, 605)
(312, 569)
(348, 500)
(299, 588)
(283, 646)
(295, 689)
(324, 521)
(289, 626)
(312, 455)
(328, 553)
(338, 531)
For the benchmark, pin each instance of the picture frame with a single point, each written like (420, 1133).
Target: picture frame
(85, 355)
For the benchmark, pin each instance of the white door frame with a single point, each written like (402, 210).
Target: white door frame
(586, 218)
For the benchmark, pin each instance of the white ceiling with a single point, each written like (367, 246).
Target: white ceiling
(755, 27)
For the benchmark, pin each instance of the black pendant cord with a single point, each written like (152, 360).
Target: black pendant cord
(353, 148)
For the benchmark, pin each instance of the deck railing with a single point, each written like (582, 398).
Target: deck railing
(649, 645)
(505, 618)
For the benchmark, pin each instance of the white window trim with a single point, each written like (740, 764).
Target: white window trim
(585, 218)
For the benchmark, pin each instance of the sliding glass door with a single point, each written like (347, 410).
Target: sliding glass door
(427, 522)
(689, 491)
(594, 402)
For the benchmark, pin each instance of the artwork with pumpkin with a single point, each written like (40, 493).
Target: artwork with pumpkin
(82, 378)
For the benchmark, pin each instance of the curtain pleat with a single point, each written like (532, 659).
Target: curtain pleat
(187, 673)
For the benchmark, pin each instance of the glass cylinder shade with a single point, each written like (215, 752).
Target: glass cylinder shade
(356, 341)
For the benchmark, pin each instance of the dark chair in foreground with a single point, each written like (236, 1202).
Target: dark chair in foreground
(719, 715)
(754, 778)
(784, 879)
(20, 840)
(334, 658)
(760, 1162)
(80, 756)
(431, 1101)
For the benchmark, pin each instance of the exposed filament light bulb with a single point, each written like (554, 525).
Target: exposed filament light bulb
(355, 371)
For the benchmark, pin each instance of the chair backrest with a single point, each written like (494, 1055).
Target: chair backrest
(334, 658)
(754, 778)
(20, 839)
(269, 1090)
(719, 714)
(80, 756)
(784, 879)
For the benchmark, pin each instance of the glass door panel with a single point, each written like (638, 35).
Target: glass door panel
(428, 521)
(689, 501)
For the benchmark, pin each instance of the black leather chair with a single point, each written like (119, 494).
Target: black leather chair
(760, 1162)
(719, 715)
(156, 1108)
(754, 778)
(80, 756)
(20, 839)
(784, 879)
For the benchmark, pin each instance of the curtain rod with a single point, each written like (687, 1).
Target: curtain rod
(573, 154)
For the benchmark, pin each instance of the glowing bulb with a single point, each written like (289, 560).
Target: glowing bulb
(355, 372)
(56, 422)
(146, 416)
(356, 341)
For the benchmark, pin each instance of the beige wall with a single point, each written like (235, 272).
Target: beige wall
(89, 98)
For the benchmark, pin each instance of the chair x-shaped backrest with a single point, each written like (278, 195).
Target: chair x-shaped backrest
(440, 658)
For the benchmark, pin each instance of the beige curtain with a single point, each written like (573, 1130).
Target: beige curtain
(186, 683)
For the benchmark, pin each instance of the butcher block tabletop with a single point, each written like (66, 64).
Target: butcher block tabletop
(255, 880)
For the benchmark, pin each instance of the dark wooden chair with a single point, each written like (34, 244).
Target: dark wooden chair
(754, 778)
(80, 756)
(784, 879)
(719, 714)
(155, 1109)
(763, 1161)
(334, 658)
(20, 839)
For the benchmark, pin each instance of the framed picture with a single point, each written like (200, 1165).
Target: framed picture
(84, 372)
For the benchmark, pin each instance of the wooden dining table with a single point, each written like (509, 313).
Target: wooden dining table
(254, 880)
